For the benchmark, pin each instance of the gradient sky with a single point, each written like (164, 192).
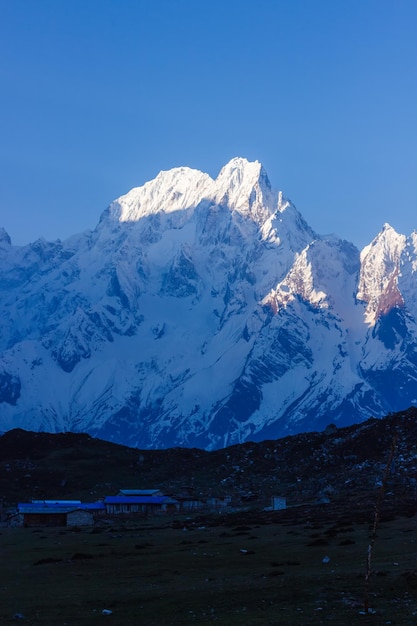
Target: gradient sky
(98, 96)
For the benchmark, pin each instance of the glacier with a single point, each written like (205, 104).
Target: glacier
(205, 312)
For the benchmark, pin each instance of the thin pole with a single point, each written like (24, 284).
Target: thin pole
(376, 521)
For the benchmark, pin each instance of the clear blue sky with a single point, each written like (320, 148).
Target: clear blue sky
(98, 96)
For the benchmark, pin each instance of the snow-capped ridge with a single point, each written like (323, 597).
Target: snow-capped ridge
(386, 241)
(173, 190)
(380, 269)
(244, 186)
(241, 185)
(320, 275)
(240, 173)
(204, 312)
(5, 237)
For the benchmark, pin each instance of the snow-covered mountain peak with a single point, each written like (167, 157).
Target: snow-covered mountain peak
(4, 237)
(389, 240)
(5, 244)
(380, 269)
(204, 312)
(244, 186)
(321, 275)
(241, 185)
(385, 249)
(239, 171)
(173, 190)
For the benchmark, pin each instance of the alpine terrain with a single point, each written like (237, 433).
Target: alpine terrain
(203, 313)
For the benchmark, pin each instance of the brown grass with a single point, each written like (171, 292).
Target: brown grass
(157, 573)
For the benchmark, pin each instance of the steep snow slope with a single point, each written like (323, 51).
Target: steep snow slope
(205, 312)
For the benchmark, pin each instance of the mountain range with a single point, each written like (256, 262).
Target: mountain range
(204, 313)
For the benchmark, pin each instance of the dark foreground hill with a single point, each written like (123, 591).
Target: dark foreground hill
(343, 466)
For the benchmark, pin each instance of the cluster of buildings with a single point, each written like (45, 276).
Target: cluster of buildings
(128, 502)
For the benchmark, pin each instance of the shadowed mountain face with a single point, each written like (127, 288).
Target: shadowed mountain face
(203, 313)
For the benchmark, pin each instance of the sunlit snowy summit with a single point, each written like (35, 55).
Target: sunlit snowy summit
(204, 313)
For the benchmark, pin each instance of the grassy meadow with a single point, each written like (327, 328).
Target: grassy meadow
(167, 572)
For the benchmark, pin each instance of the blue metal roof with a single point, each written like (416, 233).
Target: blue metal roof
(138, 500)
(138, 492)
(58, 506)
(46, 510)
(57, 502)
(92, 506)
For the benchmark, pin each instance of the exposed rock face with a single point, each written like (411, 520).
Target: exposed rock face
(10, 387)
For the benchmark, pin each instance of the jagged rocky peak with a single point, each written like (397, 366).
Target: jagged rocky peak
(380, 269)
(157, 329)
(241, 185)
(4, 238)
(174, 190)
(244, 186)
(385, 249)
(322, 275)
